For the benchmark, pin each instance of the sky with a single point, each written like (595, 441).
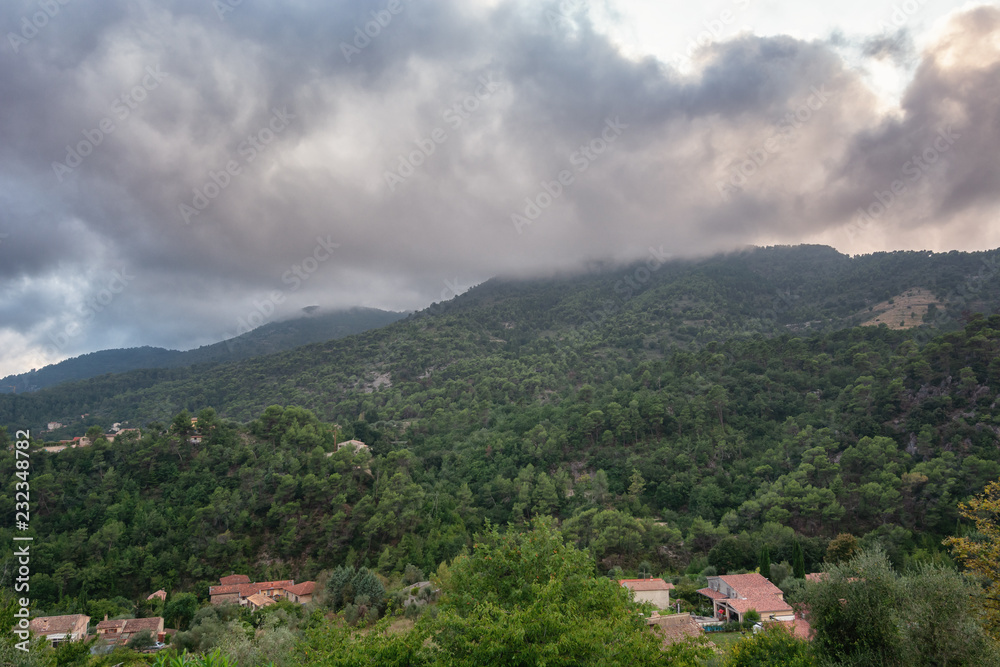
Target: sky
(171, 172)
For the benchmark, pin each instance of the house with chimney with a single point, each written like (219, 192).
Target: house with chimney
(238, 589)
(59, 629)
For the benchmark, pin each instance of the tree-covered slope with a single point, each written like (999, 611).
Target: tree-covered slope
(503, 328)
(267, 339)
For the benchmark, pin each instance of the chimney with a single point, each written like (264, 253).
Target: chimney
(105, 617)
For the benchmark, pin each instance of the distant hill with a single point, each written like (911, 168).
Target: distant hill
(266, 339)
(645, 311)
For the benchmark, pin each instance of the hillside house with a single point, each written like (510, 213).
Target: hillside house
(237, 593)
(300, 593)
(159, 595)
(258, 601)
(54, 425)
(119, 631)
(59, 629)
(356, 445)
(656, 591)
(734, 595)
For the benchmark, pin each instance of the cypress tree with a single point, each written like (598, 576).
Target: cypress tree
(765, 562)
(798, 561)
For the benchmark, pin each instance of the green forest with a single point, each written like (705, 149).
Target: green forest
(721, 409)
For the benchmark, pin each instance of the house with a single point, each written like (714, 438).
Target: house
(258, 601)
(119, 631)
(160, 594)
(234, 579)
(196, 439)
(59, 629)
(54, 425)
(656, 591)
(357, 445)
(816, 577)
(734, 595)
(237, 593)
(300, 593)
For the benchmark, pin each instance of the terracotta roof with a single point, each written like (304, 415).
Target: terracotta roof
(246, 590)
(259, 600)
(56, 625)
(676, 627)
(305, 588)
(161, 594)
(800, 628)
(224, 589)
(646, 584)
(747, 584)
(816, 576)
(154, 624)
(708, 592)
(235, 579)
(759, 603)
(116, 624)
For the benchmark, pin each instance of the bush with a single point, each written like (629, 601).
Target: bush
(775, 645)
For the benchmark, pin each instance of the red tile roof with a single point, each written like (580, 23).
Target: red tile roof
(246, 590)
(235, 579)
(708, 592)
(115, 624)
(56, 625)
(817, 576)
(153, 624)
(646, 584)
(759, 603)
(305, 588)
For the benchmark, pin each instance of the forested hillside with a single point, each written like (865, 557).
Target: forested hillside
(517, 332)
(267, 339)
(690, 459)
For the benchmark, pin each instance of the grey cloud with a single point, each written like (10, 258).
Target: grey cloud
(324, 174)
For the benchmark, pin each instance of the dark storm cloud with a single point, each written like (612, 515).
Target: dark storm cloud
(244, 147)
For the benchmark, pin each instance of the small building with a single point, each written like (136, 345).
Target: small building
(300, 593)
(159, 595)
(59, 629)
(655, 591)
(734, 595)
(357, 445)
(237, 593)
(119, 631)
(54, 425)
(234, 579)
(258, 601)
